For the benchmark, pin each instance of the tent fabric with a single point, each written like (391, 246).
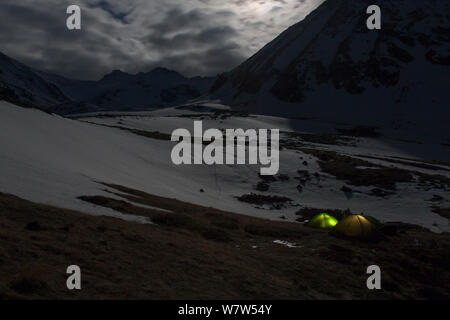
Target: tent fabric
(374, 221)
(355, 226)
(323, 221)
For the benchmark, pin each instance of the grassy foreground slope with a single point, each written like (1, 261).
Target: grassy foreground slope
(194, 252)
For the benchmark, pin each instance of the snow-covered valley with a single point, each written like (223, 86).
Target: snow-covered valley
(54, 160)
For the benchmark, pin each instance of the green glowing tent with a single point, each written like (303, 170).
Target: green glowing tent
(323, 221)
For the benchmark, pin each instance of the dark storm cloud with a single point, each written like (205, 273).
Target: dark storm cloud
(119, 15)
(191, 46)
(194, 37)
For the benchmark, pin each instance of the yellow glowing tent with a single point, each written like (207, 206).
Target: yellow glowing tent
(323, 221)
(355, 226)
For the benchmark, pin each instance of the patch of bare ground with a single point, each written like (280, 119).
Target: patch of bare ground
(436, 198)
(435, 162)
(417, 164)
(276, 202)
(8, 95)
(215, 115)
(436, 181)
(359, 172)
(443, 212)
(409, 141)
(207, 254)
(264, 184)
(291, 139)
(361, 131)
(148, 134)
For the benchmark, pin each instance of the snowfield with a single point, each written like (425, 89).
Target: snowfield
(54, 160)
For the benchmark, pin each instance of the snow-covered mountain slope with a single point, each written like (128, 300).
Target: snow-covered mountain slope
(115, 91)
(331, 66)
(54, 160)
(19, 82)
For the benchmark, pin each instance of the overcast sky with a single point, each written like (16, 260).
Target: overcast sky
(194, 37)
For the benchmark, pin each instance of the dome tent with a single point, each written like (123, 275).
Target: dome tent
(355, 226)
(322, 221)
(375, 222)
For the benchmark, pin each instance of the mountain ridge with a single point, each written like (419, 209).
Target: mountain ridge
(330, 66)
(159, 87)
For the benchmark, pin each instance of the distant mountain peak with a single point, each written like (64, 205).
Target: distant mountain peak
(116, 91)
(118, 72)
(331, 66)
(115, 74)
(162, 70)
